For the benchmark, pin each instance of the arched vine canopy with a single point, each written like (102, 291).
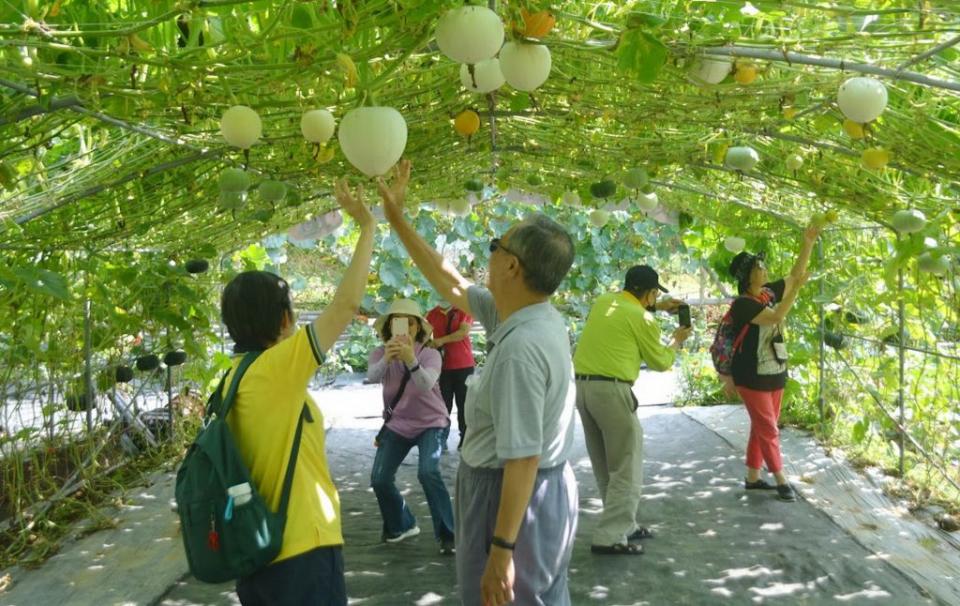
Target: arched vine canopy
(110, 110)
(111, 157)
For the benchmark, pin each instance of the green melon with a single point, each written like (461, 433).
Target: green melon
(603, 189)
(636, 178)
(272, 191)
(908, 221)
(234, 180)
(473, 185)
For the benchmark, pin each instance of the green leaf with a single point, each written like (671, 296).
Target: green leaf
(43, 282)
(641, 53)
(520, 102)
(859, 431)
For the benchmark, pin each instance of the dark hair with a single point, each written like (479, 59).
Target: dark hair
(387, 333)
(741, 267)
(253, 307)
(546, 250)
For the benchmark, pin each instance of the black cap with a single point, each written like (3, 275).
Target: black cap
(743, 263)
(641, 278)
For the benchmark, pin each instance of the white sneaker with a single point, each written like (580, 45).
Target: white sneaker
(404, 535)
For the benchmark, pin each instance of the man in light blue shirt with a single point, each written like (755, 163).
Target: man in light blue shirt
(516, 494)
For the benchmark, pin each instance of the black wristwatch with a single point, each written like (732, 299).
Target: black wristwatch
(502, 543)
(415, 368)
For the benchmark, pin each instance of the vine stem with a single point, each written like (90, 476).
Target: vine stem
(863, 68)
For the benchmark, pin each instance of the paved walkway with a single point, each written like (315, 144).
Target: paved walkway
(715, 543)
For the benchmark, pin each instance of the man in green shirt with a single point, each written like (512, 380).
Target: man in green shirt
(619, 335)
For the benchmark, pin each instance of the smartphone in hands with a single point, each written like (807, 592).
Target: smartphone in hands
(683, 314)
(399, 327)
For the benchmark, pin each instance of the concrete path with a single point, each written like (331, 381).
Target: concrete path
(714, 544)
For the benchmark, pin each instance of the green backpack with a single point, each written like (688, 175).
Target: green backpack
(228, 529)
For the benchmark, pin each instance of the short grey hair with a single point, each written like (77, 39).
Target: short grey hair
(545, 250)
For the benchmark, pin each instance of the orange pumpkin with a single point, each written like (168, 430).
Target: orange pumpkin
(467, 122)
(538, 24)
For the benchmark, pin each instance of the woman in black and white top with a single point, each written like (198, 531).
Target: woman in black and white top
(759, 365)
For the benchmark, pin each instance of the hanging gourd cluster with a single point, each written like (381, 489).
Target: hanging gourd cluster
(373, 138)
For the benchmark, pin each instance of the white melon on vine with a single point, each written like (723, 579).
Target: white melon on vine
(571, 198)
(470, 34)
(711, 70)
(486, 78)
(373, 138)
(599, 217)
(862, 99)
(648, 201)
(741, 158)
(317, 125)
(525, 66)
(734, 244)
(241, 126)
(794, 161)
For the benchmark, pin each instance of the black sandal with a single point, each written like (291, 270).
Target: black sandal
(618, 549)
(640, 534)
(760, 484)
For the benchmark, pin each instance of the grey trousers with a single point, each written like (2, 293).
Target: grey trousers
(545, 542)
(614, 439)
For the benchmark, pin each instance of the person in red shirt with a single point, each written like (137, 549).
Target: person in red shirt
(451, 335)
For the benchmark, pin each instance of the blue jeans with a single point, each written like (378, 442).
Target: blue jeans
(397, 517)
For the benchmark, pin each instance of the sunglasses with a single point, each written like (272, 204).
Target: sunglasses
(497, 244)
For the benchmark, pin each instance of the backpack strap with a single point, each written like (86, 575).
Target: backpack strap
(292, 462)
(248, 359)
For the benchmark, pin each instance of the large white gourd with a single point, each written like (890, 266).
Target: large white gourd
(734, 244)
(373, 138)
(241, 126)
(486, 78)
(711, 70)
(599, 217)
(909, 221)
(648, 201)
(317, 125)
(571, 198)
(525, 66)
(794, 161)
(470, 34)
(742, 158)
(317, 227)
(460, 207)
(862, 99)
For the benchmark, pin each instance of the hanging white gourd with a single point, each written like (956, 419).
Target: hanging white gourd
(373, 138)
(647, 201)
(460, 207)
(486, 76)
(734, 244)
(862, 99)
(794, 161)
(711, 70)
(599, 217)
(317, 125)
(470, 34)
(525, 66)
(241, 126)
(571, 198)
(741, 158)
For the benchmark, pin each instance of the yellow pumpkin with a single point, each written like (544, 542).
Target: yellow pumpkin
(853, 129)
(746, 73)
(467, 122)
(538, 24)
(875, 158)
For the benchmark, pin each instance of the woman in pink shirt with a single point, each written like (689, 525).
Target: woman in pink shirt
(414, 415)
